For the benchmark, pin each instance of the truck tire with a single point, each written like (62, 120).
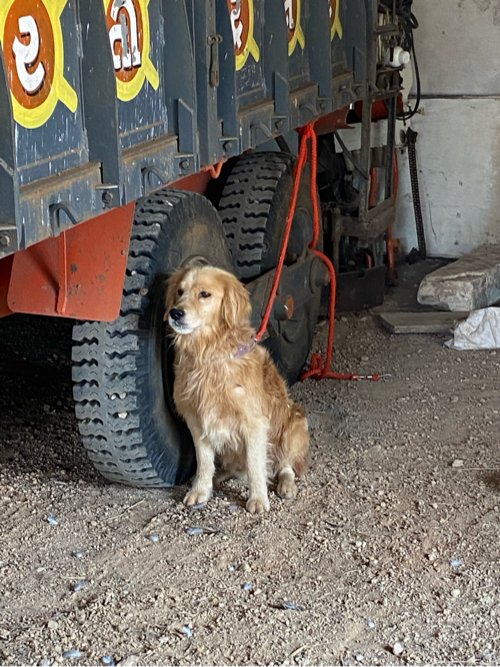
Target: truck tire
(122, 371)
(254, 207)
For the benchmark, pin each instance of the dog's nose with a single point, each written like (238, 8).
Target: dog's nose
(176, 314)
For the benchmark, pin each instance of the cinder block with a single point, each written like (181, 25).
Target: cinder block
(472, 282)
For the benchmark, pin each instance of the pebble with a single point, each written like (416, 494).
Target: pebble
(45, 662)
(52, 625)
(456, 563)
(457, 463)
(455, 592)
(73, 653)
(194, 531)
(153, 538)
(199, 506)
(247, 586)
(79, 585)
(397, 649)
(369, 623)
(290, 605)
(187, 631)
(52, 521)
(108, 660)
(79, 554)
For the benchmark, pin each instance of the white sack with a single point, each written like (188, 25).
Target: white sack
(480, 331)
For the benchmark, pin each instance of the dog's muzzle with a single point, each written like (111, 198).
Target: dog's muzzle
(176, 315)
(177, 322)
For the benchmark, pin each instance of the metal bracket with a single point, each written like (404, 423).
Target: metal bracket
(109, 192)
(213, 42)
(146, 178)
(55, 216)
(281, 124)
(230, 146)
(184, 164)
(8, 240)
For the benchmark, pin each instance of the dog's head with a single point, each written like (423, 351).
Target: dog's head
(205, 299)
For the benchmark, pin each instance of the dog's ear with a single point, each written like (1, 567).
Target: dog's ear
(171, 287)
(235, 308)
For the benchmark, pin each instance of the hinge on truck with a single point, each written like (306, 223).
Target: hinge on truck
(213, 42)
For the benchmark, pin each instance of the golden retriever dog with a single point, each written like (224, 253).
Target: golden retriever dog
(229, 391)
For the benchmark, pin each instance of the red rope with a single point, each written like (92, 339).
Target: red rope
(318, 370)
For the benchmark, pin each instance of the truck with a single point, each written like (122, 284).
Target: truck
(138, 136)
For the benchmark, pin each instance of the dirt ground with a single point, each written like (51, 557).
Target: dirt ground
(389, 556)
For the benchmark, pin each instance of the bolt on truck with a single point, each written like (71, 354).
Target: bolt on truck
(137, 136)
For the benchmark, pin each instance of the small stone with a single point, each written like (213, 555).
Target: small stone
(369, 623)
(290, 605)
(246, 567)
(187, 631)
(456, 563)
(79, 585)
(457, 463)
(397, 649)
(194, 531)
(455, 592)
(153, 538)
(108, 660)
(247, 586)
(79, 554)
(52, 625)
(52, 521)
(45, 662)
(73, 653)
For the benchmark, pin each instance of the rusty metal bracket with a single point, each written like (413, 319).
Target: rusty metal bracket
(213, 42)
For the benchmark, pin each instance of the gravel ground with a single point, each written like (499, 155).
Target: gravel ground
(389, 555)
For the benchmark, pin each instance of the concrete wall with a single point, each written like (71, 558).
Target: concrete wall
(458, 147)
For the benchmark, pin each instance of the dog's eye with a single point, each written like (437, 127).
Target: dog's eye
(204, 295)
(180, 292)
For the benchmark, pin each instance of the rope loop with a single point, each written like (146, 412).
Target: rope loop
(318, 369)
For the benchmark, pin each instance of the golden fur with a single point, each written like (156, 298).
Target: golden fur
(228, 390)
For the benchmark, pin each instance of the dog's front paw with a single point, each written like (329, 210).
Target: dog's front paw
(287, 488)
(258, 505)
(196, 496)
